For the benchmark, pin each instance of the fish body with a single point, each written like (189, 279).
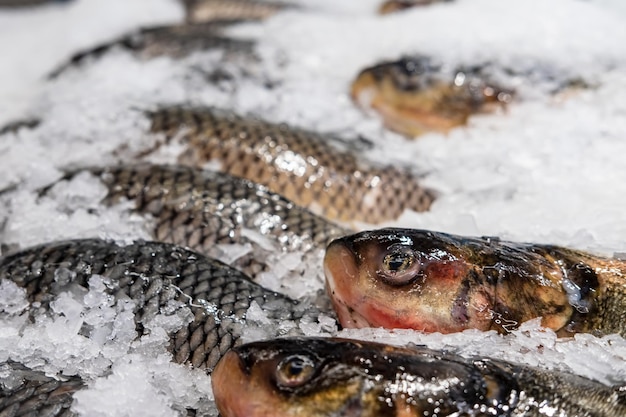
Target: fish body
(317, 377)
(301, 165)
(416, 95)
(158, 278)
(176, 41)
(24, 392)
(17, 125)
(392, 6)
(206, 211)
(200, 11)
(28, 3)
(437, 282)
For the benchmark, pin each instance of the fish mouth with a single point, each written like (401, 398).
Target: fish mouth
(342, 272)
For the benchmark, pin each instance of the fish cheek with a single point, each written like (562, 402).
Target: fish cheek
(325, 398)
(520, 298)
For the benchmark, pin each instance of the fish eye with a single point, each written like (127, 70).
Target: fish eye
(400, 266)
(294, 371)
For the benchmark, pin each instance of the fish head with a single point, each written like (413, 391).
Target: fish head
(318, 377)
(288, 378)
(401, 278)
(417, 94)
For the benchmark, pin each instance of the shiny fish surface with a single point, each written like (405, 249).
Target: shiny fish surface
(202, 209)
(158, 277)
(416, 95)
(199, 11)
(298, 164)
(392, 6)
(437, 282)
(24, 392)
(28, 3)
(317, 377)
(175, 41)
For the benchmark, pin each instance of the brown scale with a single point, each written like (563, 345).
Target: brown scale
(200, 11)
(392, 6)
(204, 209)
(416, 95)
(28, 3)
(176, 41)
(161, 280)
(36, 394)
(300, 165)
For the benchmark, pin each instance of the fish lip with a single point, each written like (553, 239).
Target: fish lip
(341, 266)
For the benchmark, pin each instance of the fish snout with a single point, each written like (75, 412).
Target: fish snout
(228, 381)
(340, 264)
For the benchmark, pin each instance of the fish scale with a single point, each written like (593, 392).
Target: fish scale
(36, 394)
(210, 10)
(153, 275)
(303, 166)
(201, 209)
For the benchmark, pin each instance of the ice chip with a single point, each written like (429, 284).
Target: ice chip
(12, 298)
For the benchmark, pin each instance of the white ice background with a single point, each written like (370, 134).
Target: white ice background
(548, 169)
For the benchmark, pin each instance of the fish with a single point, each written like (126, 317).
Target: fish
(25, 392)
(29, 3)
(200, 11)
(159, 278)
(176, 41)
(17, 125)
(206, 210)
(439, 282)
(392, 6)
(417, 94)
(301, 165)
(318, 377)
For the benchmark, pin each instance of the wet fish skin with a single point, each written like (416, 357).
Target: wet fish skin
(154, 275)
(177, 41)
(320, 377)
(417, 94)
(32, 393)
(437, 282)
(28, 3)
(299, 164)
(392, 6)
(17, 125)
(201, 209)
(200, 11)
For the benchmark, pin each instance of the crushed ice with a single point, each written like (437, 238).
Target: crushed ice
(550, 169)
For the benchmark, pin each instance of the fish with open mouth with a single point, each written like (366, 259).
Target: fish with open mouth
(417, 94)
(438, 282)
(318, 377)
